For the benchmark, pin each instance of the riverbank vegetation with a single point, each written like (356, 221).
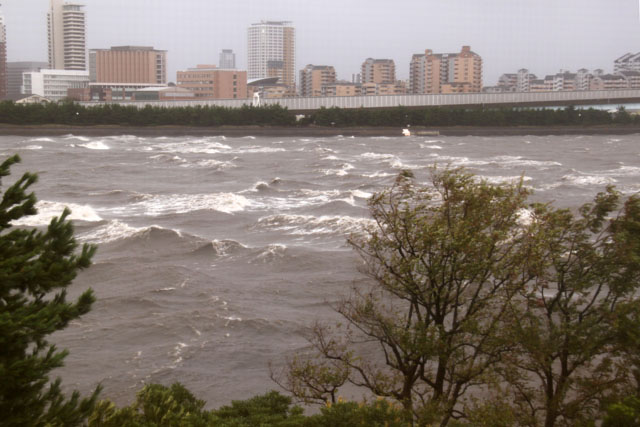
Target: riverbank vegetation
(73, 114)
(481, 309)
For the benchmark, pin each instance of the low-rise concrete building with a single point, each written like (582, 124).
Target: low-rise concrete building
(53, 84)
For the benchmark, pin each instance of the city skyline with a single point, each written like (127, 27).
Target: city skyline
(542, 36)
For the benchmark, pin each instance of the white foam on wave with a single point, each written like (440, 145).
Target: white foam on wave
(48, 210)
(433, 147)
(41, 140)
(212, 163)
(272, 252)
(339, 172)
(504, 179)
(311, 225)
(378, 156)
(361, 194)
(33, 147)
(198, 146)
(156, 205)
(621, 171)
(95, 145)
(377, 174)
(518, 161)
(588, 180)
(79, 138)
(112, 231)
(251, 150)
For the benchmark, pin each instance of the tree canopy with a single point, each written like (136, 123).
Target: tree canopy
(482, 303)
(36, 267)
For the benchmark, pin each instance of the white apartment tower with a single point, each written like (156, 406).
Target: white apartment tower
(66, 27)
(271, 52)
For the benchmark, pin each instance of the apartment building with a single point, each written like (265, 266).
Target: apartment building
(382, 71)
(608, 82)
(209, 82)
(128, 64)
(66, 31)
(446, 72)
(397, 88)
(271, 52)
(313, 78)
(342, 89)
(627, 62)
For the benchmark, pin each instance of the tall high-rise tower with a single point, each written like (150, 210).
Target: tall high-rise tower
(3, 58)
(227, 59)
(271, 52)
(66, 27)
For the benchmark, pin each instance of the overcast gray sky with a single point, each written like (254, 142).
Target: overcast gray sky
(541, 35)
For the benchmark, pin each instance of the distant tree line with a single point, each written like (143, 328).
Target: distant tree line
(73, 114)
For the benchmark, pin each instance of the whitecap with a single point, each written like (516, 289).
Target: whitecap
(588, 180)
(182, 203)
(48, 209)
(310, 225)
(79, 138)
(361, 194)
(95, 145)
(378, 174)
(251, 150)
(33, 147)
(114, 230)
(41, 140)
(380, 156)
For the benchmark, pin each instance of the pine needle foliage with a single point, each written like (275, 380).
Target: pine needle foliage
(36, 267)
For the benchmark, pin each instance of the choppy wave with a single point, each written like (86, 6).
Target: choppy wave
(588, 180)
(310, 225)
(48, 210)
(155, 205)
(113, 230)
(95, 145)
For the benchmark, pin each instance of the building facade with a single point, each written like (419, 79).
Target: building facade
(627, 62)
(342, 89)
(128, 64)
(54, 84)
(14, 76)
(313, 78)
(209, 82)
(66, 30)
(446, 72)
(381, 71)
(3, 60)
(227, 59)
(271, 52)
